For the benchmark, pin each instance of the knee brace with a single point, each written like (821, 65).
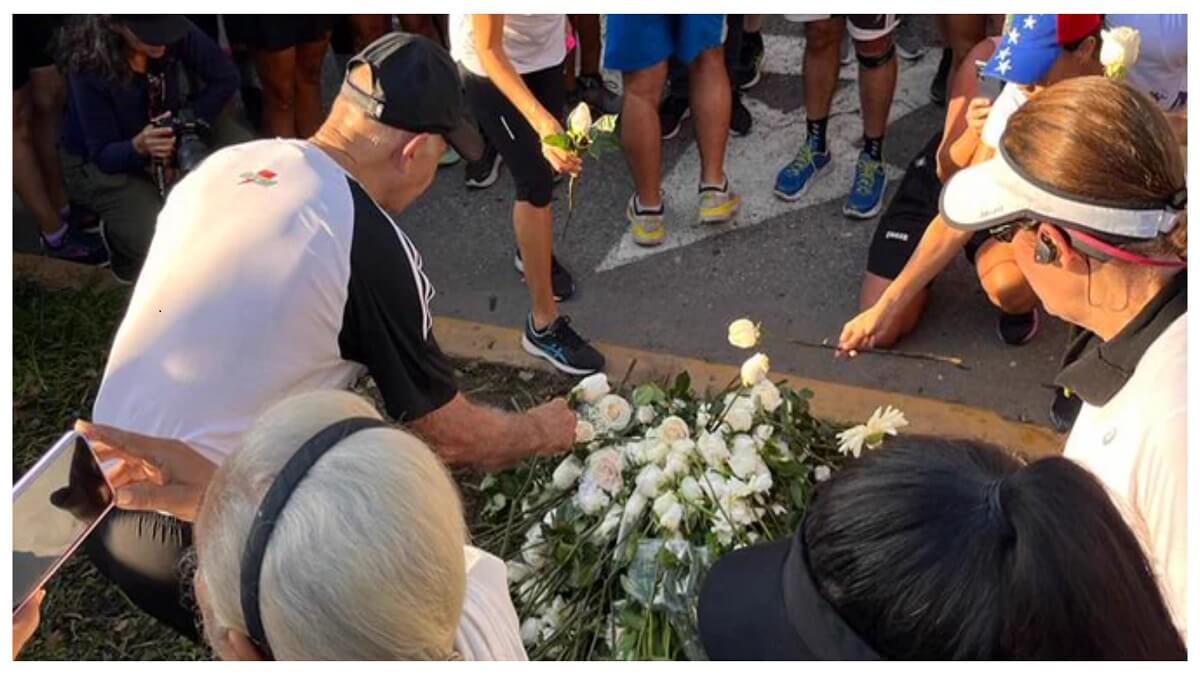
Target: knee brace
(876, 61)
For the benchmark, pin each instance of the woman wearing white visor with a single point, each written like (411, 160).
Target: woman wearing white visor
(1089, 186)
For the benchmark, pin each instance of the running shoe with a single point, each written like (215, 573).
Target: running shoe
(866, 192)
(77, 247)
(560, 279)
(750, 61)
(484, 172)
(740, 120)
(559, 344)
(671, 114)
(794, 179)
(1018, 329)
(908, 44)
(718, 203)
(646, 226)
(449, 158)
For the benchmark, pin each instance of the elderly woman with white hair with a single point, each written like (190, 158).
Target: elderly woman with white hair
(329, 536)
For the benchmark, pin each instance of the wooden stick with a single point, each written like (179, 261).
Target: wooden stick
(921, 356)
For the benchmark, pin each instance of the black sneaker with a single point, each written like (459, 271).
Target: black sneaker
(562, 347)
(671, 114)
(1017, 329)
(937, 89)
(750, 61)
(597, 94)
(484, 172)
(1064, 410)
(740, 120)
(560, 278)
(78, 247)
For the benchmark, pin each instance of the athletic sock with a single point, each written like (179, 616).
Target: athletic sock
(637, 206)
(816, 133)
(719, 187)
(873, 147)
(55, 239)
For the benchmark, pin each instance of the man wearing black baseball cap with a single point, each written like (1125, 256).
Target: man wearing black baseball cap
(277, 269)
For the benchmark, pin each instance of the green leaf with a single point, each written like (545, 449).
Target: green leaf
(649, 393)
(561, 141)
(683, 385)
(798, 497)
(607, 124)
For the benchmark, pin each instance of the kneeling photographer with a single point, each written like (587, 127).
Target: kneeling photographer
(150, 96)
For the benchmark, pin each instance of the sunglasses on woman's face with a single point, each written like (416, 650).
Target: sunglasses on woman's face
(1008, 231)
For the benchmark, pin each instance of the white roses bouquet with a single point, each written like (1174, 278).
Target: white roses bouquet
(608, 546)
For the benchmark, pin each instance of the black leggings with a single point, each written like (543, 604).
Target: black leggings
(507, 130)
(143, 554)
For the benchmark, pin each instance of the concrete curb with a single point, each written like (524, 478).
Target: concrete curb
(497, 344)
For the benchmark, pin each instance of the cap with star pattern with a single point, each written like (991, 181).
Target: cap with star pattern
(1031, 43)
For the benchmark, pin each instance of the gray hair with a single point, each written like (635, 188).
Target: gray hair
(365, 563)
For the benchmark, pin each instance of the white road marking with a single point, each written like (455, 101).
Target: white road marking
(752, 162)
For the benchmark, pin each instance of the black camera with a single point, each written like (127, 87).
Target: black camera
(190, 147)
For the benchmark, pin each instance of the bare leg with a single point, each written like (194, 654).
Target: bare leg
(277, 72)
(641, 132)
(588, 27)
(876, 86)
(962, 32)
(27, 178)
(367, 28)
(822, 60)
(533, 226)
(1001, 278)
(49, 99)
(907, 317)
(310, 56)
(710, 101)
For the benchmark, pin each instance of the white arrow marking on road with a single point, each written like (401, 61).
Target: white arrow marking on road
(752, 162)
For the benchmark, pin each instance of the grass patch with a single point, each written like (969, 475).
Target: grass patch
(60, 344)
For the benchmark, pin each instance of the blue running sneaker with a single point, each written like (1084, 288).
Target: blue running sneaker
(559, 344)
(793, 180)
(866, 194)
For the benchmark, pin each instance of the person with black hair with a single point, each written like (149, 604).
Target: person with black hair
(127, 76)
(944, 549)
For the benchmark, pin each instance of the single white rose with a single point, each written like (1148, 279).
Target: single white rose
(649, 481)
(645, 415)
(740, 416)
(567, 472)
(689, 489)
(634, 507)
(755, 370)
(743, 334)
(737, 489)
(744, 444)
(714, 485)
(822, 473)
(517, 571)
(762, 481)
(763, 433)
(531, 630)
(585, 432)
(615, 411)
(1119, 50)
(767, 395)
(672, 429)
(608, 526)
(742, 513)
(591, 388)
(669, 511)
(591, 498)
(713, 449)
(580, 119)
(676, 464)
(655, 451)
(632, 455)
(743, 462)
(604, 469)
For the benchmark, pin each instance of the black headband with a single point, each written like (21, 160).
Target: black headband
(273, 504)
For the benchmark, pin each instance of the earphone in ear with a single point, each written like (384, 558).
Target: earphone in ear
(1046, 252)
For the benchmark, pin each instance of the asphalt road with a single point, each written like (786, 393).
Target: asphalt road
(796, 267)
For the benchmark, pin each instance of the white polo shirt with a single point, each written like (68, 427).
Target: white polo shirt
(271, 273)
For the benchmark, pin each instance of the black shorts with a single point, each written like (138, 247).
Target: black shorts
(32, 48)
(506, 129)
(273, 32)
(912, 208)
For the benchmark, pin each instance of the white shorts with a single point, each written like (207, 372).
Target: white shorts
(862, 27)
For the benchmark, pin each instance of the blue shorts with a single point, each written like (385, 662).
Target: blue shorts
(638, 41)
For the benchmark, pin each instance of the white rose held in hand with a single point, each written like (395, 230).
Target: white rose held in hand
(744, 334)
(1119, 50)
(567, 472)
(755, 369)
(580, 119)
